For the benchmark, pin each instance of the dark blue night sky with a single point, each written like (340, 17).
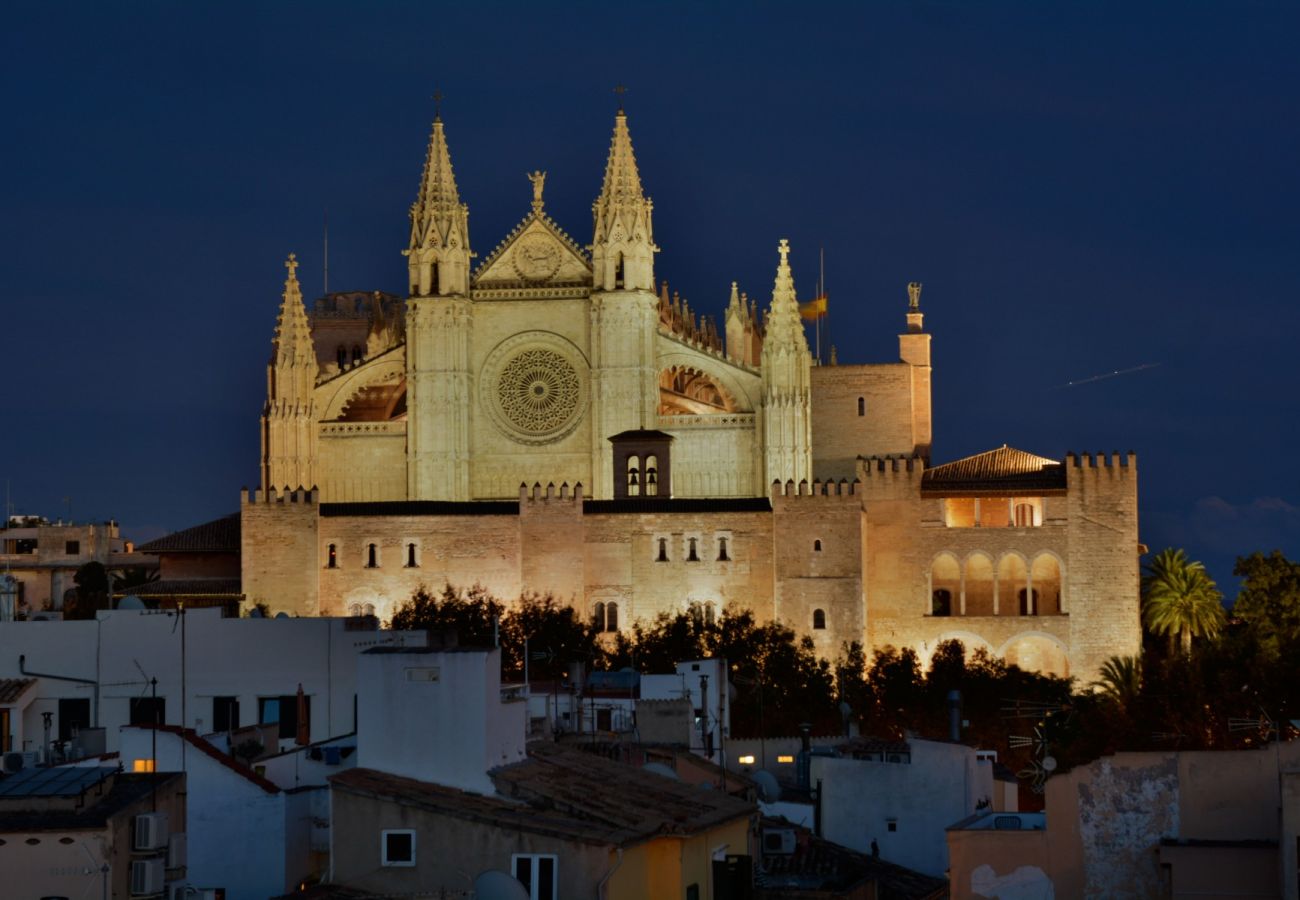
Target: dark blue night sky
(1082, 188)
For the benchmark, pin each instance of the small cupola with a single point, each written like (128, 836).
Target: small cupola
(641, 464)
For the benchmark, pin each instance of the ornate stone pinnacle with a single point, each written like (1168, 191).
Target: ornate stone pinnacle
(292, 265)
(784, 250)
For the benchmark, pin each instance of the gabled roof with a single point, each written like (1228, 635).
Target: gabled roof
(218, 536)
(1002, 471)
(565, 793)
(191, 737)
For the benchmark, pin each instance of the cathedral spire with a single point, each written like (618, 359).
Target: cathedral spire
(784, 325)
(622, 247)
(289, 416)
(438, 252)
(292, 344)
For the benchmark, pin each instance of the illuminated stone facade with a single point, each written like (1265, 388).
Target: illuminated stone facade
(464, 434)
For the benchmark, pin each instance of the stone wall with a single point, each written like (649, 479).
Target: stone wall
(278, 552)
(886, 427)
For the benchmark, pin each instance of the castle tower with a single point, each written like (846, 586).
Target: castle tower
(787, 392)
(438, 326)
(914, 349)
(289, 448)
(624, 308)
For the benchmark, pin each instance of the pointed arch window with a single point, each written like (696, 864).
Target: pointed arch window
(652, 476)
(819, 620)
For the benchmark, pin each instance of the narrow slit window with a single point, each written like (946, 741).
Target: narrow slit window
(332, 557)
(611, 616)
(663, 550)
(862, 406)
(356, 354)
(342, 356)
(410, 557)
(692, 554)
(372, 556)
(722, 550)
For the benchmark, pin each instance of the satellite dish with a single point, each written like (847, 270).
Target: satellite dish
(1049, 763)
(130, 601)
(769, 791)
(660, 769)
(282, 615)
(497, 885)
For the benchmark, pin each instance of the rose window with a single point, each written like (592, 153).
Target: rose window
(539, 391)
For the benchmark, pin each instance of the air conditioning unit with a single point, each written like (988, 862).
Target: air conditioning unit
(150, 832)
(176, 850)
(778, 841)
(146, 877)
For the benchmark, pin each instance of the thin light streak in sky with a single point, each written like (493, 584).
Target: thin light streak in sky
(1102, 377)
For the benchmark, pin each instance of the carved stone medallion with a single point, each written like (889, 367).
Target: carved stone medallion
(536, 257)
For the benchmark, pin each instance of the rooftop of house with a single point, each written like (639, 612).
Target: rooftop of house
(191, 737)
(816, 867)
(1001, 821)
(31, 812)
(218, 536)
(187, 587)
(12, 689)
(1004, 471)
(566, 793)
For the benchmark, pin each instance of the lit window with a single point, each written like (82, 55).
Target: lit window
(785, 758)
(746, 760)
(538, 873)
(397, 847)
(142, 765)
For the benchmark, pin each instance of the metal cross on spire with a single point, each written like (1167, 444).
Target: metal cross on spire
(292, 265)
(620, 90)
(437, 104)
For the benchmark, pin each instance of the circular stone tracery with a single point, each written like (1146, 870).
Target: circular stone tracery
(539, 392)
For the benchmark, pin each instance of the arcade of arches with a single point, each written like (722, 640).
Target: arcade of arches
(1011, 586)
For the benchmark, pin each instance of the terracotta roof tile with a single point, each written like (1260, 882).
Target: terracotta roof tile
(192, 738)
(218, 536)
(188, 587)
(1005, 470)
(11, 689)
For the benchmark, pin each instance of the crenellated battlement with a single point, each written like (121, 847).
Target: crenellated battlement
(816, 488)
(1122, 463)
(274, 495)
(549, 494)
(887, 467)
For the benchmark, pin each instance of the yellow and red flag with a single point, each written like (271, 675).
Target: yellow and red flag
(813, 309)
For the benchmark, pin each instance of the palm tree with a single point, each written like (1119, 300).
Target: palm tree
(1180, 600)
(1121, 680)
